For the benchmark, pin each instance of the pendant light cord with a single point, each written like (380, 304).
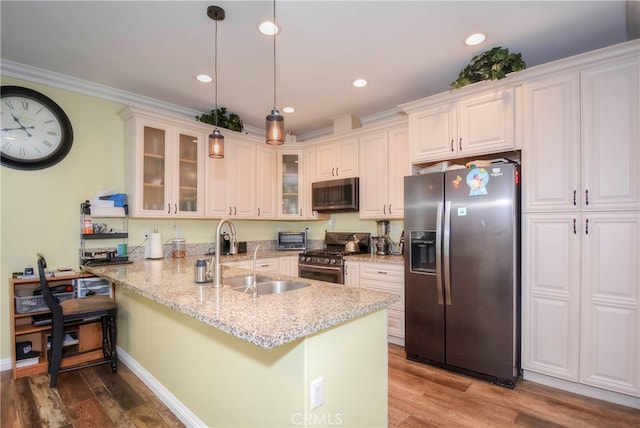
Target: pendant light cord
(274, 53)
(215, 70)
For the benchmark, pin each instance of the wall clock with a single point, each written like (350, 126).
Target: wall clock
(36, 132)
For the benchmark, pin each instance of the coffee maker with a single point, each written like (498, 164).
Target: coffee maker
(383, 242)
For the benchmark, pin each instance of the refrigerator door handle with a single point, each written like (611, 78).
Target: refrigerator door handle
(447, 238)
(439, 254)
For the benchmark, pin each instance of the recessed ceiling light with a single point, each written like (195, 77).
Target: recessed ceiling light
(288, 109)
(268, 28)
(359, 83)
(475, 39)
(204, 78)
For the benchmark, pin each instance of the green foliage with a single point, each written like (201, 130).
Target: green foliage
(225, 120)
(490, 65)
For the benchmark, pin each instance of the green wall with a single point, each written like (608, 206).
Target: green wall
(41, 209)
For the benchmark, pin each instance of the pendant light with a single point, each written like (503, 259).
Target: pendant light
(216, 139)
(275, 122)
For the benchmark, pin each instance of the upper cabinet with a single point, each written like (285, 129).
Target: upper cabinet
(231, 181)
(266, 190)
(338, 159)
(290, 184)
(384, 162)
(610, 135)
(469, 125)
(164, 166)
(581, 143)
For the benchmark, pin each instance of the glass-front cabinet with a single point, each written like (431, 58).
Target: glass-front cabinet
(290, 187)
(164, 166)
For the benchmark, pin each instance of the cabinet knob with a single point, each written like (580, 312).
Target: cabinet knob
(333, 172)
(452, 144)
(586, 197)
(460, 144)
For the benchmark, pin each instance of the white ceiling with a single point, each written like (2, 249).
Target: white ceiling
(406, 49)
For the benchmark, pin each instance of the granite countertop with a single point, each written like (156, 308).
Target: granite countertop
(374, 258)
(268, 321)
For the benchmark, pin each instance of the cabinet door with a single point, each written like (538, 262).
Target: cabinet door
(551, 294)
(399, 167)
(290, 184)
(188, 200)
(611, 136)
(374, 175)
(244, 181)
(551, 147)
(266, 191)
(308, 178)
(486, 123)
(432, 133)
(325, 166)
(218, 183)
(153, 187)
(610, 331)
(351, 274)
(346, 158)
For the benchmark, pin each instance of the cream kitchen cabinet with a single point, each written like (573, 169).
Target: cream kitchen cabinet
(581, 315)
(469, 125)
(266, 190)
(309, 157)
(551, 294)
(581, 146)
(231, 181)
(352, 274)
(164, 165)
(290, 184)
(388, 278)
(384, 162)
(337, 159)
(288, 265)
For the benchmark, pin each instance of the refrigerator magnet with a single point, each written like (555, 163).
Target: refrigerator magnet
(477, 180)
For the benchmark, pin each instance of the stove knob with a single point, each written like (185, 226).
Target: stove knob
(333, 261)
(326, 261)
(307, 259)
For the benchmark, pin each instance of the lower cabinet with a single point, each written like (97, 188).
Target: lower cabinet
(580, 290)
(352, 274)
(388, 278)
(286, 265)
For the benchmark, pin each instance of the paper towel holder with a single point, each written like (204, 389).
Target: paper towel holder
(153, 249)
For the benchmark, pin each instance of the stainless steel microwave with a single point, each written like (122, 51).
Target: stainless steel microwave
(336, 195)
(292, 240)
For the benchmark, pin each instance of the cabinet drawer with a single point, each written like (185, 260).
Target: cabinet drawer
(395, 323)
(267, 265)
(382, 272)
(387, 288)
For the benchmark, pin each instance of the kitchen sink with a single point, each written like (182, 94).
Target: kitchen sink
(244, 281)
(274, 286)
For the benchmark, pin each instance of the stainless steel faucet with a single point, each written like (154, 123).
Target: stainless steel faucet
(218, 273)
(255, 283)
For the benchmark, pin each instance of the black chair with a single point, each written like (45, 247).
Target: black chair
(78, 310)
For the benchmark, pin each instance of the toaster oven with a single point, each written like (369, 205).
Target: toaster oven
(292, 240)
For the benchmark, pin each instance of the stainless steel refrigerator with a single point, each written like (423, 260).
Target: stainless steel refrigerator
(462, 270)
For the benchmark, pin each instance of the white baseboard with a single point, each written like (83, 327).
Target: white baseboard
(395, 340)
(177, 408)
(578, 388)
(5, 364)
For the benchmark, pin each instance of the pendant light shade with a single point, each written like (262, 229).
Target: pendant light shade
(216, 139)
(216, 145)
(275, 128)
(275, 122)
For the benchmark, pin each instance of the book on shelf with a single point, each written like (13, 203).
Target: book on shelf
(26, 362)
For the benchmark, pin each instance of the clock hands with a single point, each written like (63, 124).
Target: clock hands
(22, 127)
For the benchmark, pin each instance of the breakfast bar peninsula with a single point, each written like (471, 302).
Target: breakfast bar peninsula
(314, 356)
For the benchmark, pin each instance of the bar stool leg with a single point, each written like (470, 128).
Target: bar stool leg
(113, 331)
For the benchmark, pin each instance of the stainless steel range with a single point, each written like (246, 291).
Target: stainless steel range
(328, 264)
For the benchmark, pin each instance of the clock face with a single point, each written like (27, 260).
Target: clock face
(36, 133)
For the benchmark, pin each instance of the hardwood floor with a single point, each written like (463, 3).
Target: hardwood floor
(89, 397)
(419, 396)
(424, 396)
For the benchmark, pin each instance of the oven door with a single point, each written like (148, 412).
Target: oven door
(334, 274)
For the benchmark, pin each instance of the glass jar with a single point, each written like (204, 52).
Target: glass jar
(179, 248)
(88, 226)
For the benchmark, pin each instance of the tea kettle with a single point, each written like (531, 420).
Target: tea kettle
(352, 245)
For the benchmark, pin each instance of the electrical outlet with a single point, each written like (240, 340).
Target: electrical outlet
(145, 233)
(317, 393)
(179, 232)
